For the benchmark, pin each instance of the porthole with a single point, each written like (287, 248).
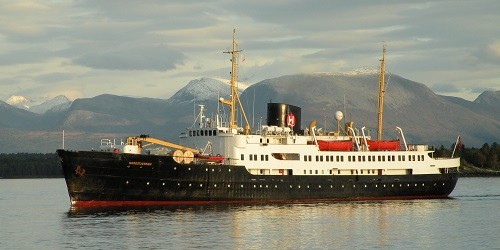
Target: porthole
(241, 185)
(178, 184)
(275, 186)
(299, 186)
(147, 183)
(290, 186)
(365, 185)
(376, 185)
(319, 186)
(175, 168)
(127, 183)
(392, 185)
(342, 186)
(201, 185)
(228, 185)
(189, 169)
(353, 186)
(415, 184)
(384, 185)
(190, 184)
(215, 185)
(423, 184)
(254, 186)
(163, 183)
(307, 186)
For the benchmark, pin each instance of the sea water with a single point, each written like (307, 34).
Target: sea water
(36, 214)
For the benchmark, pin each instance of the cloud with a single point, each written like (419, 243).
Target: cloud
(444, 88)
(155, 58)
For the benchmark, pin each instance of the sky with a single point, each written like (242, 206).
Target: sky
(150, 48)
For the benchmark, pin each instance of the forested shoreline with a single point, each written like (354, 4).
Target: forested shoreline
(474, 162)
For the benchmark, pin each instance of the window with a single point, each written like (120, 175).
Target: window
(242, 157)
(267, 157)
(338, 158)
(316, 172)
(379, 158)
(310, 172)
(317, 158)
(320, 158)
(262, 157)
(309, 157)
(305, 157)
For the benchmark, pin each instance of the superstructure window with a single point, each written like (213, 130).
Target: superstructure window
(242, 157)
(286, 156)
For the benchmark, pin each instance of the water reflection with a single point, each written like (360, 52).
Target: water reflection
(321, 225)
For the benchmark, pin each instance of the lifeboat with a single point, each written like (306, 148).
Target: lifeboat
(345, 145)
(384, 145)
(210, 158)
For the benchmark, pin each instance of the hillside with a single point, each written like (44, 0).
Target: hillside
(424, 116)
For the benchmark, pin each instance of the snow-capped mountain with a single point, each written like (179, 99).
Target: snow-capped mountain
(60, 101)
(20, 102)
(40, 107)
(204, 89)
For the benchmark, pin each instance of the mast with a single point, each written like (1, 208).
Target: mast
(234, 89)
(381, 91)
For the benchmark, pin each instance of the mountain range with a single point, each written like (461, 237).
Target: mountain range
(424, 116)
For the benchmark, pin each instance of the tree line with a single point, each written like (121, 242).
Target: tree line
(29, 165)
(485, 157)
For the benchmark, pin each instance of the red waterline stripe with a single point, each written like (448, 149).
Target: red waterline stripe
(88, 204)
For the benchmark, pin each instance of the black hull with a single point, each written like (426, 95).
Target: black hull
(107, 179)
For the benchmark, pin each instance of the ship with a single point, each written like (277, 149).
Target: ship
(218, 161)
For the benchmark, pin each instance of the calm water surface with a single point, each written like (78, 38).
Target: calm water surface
(35, 213)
